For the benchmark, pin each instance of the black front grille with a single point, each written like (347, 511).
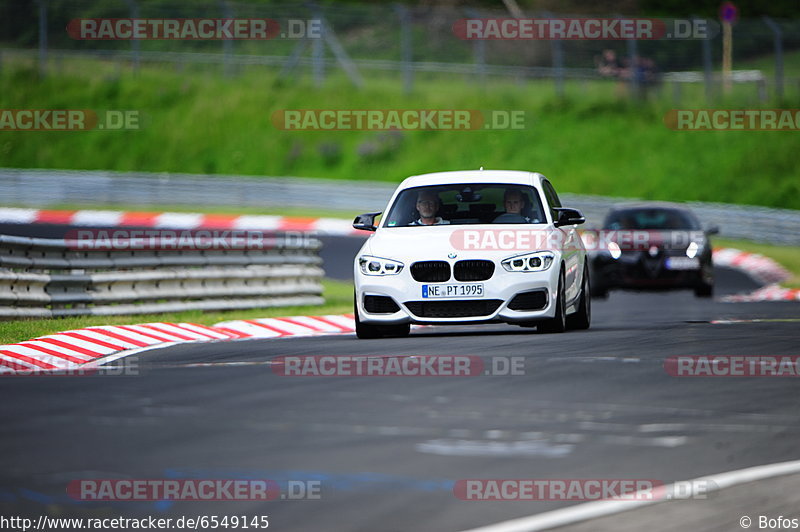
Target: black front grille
(431, 271)
(473, 270)
(535, 300)
(380, 305)
(453, 309)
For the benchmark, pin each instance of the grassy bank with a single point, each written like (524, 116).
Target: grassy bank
(589, 142)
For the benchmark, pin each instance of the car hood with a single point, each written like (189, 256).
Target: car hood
(445, 242)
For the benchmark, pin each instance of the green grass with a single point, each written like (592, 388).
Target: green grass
(791, 64)
(786, 256)
(338, 300)
(591, 141)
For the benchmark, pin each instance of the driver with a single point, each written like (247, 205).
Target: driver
(514, 202)
(428, 207)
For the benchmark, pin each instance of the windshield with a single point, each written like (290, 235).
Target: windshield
(465, 205)
(659, 218)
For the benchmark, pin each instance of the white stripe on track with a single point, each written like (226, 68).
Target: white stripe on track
(596, 509)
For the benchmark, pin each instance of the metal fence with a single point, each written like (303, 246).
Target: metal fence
(52, 278)
(40, 188)
(367, 39)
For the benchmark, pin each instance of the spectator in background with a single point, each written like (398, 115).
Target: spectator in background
(649, 72)
(608, 65)
(645, 73)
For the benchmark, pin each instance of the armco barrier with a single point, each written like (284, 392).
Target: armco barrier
(40, 188)
(51, 278)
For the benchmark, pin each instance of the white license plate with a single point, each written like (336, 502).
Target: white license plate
(434, 291)
(682, 263)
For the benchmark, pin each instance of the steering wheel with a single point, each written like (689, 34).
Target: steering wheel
(510, 218)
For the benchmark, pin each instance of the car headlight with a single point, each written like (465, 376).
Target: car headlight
(529, 262)
(694, 249)
(378, 266)
(614, 250)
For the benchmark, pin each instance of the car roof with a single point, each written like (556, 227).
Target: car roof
(473, 176)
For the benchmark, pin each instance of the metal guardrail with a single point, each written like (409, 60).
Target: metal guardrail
(56, 279)
(39, 188)
(387, 65)
(748, 222)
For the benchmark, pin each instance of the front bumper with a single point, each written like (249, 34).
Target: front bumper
(499, 291)
(638, 271)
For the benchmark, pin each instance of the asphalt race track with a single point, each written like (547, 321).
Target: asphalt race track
(387, 451)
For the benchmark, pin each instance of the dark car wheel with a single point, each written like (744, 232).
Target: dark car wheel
(366, 331)
(582, 319)
(558, 323)
(704, 290)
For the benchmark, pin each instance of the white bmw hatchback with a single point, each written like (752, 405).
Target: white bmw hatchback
(472, 247)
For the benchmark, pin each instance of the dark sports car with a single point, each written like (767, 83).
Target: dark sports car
(651, 246)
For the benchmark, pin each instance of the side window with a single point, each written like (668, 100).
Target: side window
(552, 197)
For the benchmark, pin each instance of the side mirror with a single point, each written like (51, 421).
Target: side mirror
(568, 217)
(366, 222)
(712, 230)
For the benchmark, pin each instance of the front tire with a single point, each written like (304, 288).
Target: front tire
(558, 323)
(704, 290)
(582, 319)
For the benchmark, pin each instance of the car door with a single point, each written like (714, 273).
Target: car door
(570, 247)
